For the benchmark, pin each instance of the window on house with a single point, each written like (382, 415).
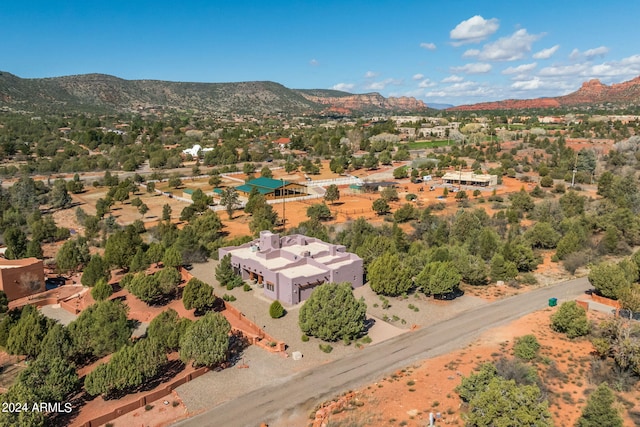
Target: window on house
(270, 287)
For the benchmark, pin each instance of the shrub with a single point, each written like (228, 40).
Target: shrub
(326, 348)
(246, 287)
(305, 338)
(526, 347)
(276, 310)
(570, 319)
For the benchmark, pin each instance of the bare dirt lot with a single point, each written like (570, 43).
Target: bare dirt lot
(409, 395)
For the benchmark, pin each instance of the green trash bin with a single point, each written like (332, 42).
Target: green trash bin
(553, 302)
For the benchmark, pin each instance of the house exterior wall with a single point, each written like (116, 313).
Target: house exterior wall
(288, 271)
(15, 274)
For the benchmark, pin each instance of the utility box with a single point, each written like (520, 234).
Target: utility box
(553, 302)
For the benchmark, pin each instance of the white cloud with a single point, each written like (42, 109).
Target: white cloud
(471, 53)
(428, 46)
(345, 87)
(314, 62)
(564, 70)
(589, 53)
(546, 53)
(575, 54)
(383, 84)
(463, 89)
(453, 79)
(598, 51)
(370, 74)
(533, 84)
(426, 83)
(417, 76)
(511, 48)
(524, 68)
(473, 68)
(474, 30)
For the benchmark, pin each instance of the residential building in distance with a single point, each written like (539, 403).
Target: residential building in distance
(290, 267)
(21, 277)
(273, 188)
(469, 178)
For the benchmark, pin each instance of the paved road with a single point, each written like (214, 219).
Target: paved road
(298, 394)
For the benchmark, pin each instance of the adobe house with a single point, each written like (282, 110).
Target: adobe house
(290, 267)
(273, 188)
(21, 277)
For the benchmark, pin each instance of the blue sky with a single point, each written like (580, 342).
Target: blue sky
(450, 51)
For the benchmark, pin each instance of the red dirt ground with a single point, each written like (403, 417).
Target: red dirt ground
(408, 396)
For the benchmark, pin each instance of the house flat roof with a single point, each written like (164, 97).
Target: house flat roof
(304, 270)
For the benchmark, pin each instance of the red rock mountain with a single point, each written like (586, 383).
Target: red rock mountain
(342, 101)
(592, 92)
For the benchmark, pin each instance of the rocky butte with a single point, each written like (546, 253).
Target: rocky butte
(591, 92)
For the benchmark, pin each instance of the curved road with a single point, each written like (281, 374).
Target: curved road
(299, 393)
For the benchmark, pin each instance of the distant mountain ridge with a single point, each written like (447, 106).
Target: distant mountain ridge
(89, 92)
(592, 92)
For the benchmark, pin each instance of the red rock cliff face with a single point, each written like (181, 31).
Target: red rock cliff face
(591, 92)
(369, 101)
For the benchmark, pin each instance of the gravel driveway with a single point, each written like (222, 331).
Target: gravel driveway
(264, 368)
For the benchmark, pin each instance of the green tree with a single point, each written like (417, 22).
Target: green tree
(166, 212)
(264, 218)
(34, 249)
(255, 200)
(168, 280)
(526, 347)
(276, 310)
(600, 410)
(388, 275)
(332, 313)
(121, 248)
(96, 269)
(476, 382)
(167, 328)
(503, 401)
(59, 198)
(175, 182)
(225, 274)
(172, 257)
(502, 269)
(206, 342)
(608, 279)
(406, 213)
(52, 379)
(542, 235)
(389, 194)
(198, 295)
(381, 207)
(570, 319)
(27, 335)
(73, 254)
(229, 199)
(139, 262)
(16, 241)
(265, 172)
(100, 329)
(439, 278)
(401, 172)
(57, 343)
(332, 194)
(151, 187)
(130, 367)
(572, 204)
(319, 211)
(102, 290)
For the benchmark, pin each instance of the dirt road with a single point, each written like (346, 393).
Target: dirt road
(292, 398)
